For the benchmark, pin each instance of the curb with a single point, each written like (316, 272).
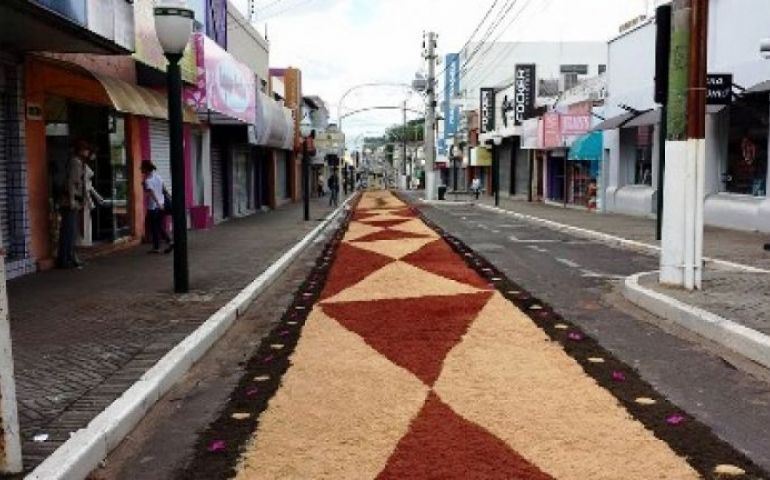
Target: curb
(614, 240)
(742, 340)
(88, 447)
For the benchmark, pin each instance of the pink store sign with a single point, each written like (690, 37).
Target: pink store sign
(551, 130)
(224, 85)
(574, 125)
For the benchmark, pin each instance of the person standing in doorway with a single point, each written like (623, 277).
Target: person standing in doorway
(334, 189)
(156, 206)
(71, 204)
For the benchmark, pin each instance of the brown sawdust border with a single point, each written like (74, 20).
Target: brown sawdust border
(253, 397)
(692, 440)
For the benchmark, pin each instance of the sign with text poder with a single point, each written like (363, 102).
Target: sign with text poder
(487, 110)
(524, 98)
(230, 85)
(552, 137)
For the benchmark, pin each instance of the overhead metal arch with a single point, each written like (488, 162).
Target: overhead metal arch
(383, 107)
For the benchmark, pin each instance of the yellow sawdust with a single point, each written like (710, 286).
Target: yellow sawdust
(397, 249)
(509, 378)
(415, 226)
(340, 413)
(358, 230)
(401, 280)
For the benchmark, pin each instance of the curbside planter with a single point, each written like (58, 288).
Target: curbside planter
(744, 341)
(86, 449)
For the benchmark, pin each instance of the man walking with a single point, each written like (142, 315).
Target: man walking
(334, 189)
(71, 204)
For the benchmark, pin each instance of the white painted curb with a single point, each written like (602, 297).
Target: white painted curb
(737, 338)
(613, 240)
(86, 449)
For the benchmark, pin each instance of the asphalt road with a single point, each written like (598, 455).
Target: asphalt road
(580, 280)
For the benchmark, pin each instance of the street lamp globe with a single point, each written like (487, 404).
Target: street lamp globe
(497, 140)
(173, 25)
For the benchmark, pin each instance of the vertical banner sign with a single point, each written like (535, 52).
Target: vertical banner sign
(451, 90)
(487, 110)
(524, 100)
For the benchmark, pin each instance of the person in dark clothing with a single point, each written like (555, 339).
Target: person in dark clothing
(71, 204)
(156, 206)
(334, 189)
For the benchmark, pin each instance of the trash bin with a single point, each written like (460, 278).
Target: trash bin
(442, 192)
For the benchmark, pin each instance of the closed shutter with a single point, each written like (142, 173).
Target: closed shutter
(241, 180)
(522, 172)
(6, 99)
(504, 159)
(159, 150)
(217, 183)
(281, 177)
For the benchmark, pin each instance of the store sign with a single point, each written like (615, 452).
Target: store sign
(148, 50)
(720, 89)
(487, 110)
(574, 125)
(230, 85)
(451, 90)
(552, 134)
(524, 99)
(530, 134)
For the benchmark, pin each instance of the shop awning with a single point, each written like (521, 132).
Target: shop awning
(135, 100)
(650, 117)
(587, 148)
(762, 87)
(615, 122)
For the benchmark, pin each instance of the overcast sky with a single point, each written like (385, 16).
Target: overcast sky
(341, 43)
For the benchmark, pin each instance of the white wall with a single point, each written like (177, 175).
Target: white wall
(246, 44)
(631, 70)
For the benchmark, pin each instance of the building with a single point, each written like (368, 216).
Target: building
(515, 81)
(737, 135)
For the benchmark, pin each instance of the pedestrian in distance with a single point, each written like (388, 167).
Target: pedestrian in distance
(158, 206)
(320, 186)
(72, 196)
(334, 189)
(476, 187)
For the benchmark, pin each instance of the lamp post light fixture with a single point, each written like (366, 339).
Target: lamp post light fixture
(174, 26)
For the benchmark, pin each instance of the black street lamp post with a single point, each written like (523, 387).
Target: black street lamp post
(173, 24)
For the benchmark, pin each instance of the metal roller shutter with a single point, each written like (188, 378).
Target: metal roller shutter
(6, 98)
(217, 183)
(505, 154)
(281, 176)
(159, 150)
(522, 172)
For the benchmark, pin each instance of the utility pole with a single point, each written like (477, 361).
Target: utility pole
(430, 118)
(662, 62)
(682, 245)
(403, 145)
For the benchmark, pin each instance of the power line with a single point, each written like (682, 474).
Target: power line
(506, 9)
(484, 44)
(473, 34)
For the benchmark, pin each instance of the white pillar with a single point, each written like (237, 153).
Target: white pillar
(681, 261)
(10, 459)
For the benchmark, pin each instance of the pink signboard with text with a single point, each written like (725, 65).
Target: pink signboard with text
(224, 85)
(551, 131)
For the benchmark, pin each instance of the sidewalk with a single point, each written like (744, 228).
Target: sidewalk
(81, 338)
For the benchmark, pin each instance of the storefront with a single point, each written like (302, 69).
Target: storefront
(111, 114)
(583, 170)
(274, 133)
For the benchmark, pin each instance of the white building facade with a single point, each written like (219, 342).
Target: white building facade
(737, 136)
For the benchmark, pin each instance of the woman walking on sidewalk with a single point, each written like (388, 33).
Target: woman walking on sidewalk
(156, 206)
(334, 189)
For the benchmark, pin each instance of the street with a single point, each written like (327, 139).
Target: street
(414, 346)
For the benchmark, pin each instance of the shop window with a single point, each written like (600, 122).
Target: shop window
(643, 166)
(747, 161)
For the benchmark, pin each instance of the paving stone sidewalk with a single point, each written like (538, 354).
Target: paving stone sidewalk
(82, 338)
(740, 297)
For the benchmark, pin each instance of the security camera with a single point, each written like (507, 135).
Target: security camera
(764, 48)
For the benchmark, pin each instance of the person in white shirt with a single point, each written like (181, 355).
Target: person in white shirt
(156, 206)
(476, 187)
